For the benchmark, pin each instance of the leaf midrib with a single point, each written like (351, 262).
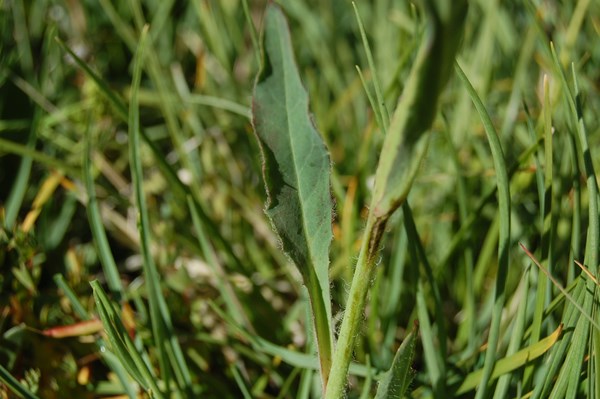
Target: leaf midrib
(305, 232)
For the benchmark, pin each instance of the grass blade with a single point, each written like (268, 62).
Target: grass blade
(380, 110)
(78, 308)
(93, 210)
(504, 237)
(561, 288)
(548, 225)
(510, 363)
(111, 360)
(169, 350)
(296, 170)
(15, 199)
(151, 274)
(121, 344)
(516, 337)
(27, 151)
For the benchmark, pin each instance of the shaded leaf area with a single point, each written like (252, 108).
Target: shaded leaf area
(296, 162)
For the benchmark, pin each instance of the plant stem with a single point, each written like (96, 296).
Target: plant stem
(354, 307)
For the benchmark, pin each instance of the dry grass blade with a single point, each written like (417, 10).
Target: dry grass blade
(560, 287)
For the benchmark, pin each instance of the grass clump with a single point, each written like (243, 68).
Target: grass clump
(425, 214)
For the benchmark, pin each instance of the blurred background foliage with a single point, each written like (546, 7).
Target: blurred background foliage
(195, 105)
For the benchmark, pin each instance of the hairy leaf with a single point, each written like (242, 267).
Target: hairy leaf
(296, 170)
(398, 377)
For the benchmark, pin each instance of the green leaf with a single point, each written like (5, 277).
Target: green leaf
(405, 143)
(504, 232)
(296, 169)
(396, 380)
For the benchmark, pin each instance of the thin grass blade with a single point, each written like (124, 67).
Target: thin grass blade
(513, 362)
(121, 343)
(516, 337)
(504, 233)
(107, 260)
(112, 361)
(381, 112)
(17, 192)
(169, 351)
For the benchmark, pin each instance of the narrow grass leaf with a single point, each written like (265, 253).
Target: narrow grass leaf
(17, 192)
(7, 146)
(569, 375)
(22, 39)
(366, 391)
(546, 206)
(435, 349)
(468, 328)
(504, 232)
(568, 381)
(253, 31)
(397, 379)
(240, 381)
(59, 279)
(593, 246)
(169, 351)
(561, 288)
(121, 344)
(234, 307)
(113, 98)
(516, 335)
(151, 274)
(513, 362)
(576, 115)
(556, 357)
(107, 260)
(291, 357)
(380, 110)
(112, 361)
(372, 100)
(296, 170)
